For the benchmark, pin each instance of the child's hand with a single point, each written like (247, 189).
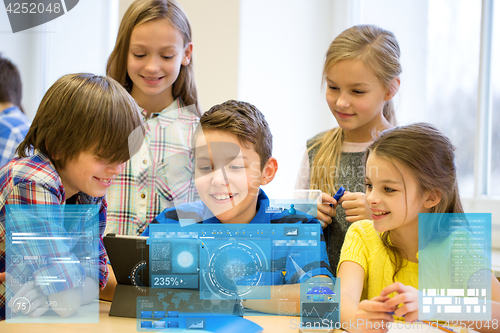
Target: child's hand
(326, 210)
(406, 295)
(372, 315)
(32, 302)
(356, 207)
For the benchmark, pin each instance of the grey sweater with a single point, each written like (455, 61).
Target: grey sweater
(350, 175)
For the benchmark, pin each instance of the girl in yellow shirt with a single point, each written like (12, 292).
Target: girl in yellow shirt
(409, 170)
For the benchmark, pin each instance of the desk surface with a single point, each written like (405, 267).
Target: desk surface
(271, 324)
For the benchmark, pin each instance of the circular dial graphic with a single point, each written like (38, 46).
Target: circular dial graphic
(22, 304)
(234, 268)
(138, 275)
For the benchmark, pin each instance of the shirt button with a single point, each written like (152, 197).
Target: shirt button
(143, 196)
(145, 161)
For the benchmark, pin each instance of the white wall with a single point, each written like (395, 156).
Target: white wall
(282, 50)
(78, 41)
(19, 48)
(215, 26)
(215, 33)
(407, 20)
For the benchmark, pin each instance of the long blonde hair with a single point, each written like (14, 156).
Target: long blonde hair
(429, 156)
(379, 50)
(141, 11)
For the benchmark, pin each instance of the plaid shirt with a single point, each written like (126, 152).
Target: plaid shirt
(34, 180)
(159, 176)
(13, 128)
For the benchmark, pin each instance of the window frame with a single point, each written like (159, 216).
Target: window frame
(482, 201)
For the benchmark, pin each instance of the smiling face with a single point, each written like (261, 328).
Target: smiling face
(88, 174)
(356, 98)
(393, 195)
(228, 176)
(156, 54)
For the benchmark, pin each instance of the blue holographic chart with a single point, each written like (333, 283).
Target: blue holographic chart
(229, 261)
(209, 269)
(454, 274)
(50, 252)
(320, 304)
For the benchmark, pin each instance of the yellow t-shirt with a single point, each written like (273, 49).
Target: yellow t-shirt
(364, 246)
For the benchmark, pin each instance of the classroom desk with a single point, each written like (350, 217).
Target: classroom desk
(271, 324)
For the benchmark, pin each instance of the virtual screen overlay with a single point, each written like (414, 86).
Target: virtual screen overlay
(200, 273)
(455, 266)
(50, 251)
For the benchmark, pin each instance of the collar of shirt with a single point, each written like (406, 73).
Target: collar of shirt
(10, 110)
(167, 116)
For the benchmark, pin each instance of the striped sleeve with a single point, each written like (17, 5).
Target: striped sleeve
(103, 256)
(2, 269)
(42, 222)
(71, 273)
(33, 193)
(94, 259)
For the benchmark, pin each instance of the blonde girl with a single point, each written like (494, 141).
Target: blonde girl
(361, 71)
(409, 170)
(153, 60)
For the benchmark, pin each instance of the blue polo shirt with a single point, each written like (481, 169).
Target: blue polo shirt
(298, 271)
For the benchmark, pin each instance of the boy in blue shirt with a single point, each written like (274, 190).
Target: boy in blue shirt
(13, 122)
(233, 147)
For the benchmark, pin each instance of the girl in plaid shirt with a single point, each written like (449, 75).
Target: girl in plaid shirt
(86, 128)
(153, 60)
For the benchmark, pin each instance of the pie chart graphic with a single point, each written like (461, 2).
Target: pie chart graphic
(24, 15)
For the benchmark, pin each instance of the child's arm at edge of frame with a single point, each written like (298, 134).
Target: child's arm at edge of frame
(351, 285)
(353, 313)
(109, 290)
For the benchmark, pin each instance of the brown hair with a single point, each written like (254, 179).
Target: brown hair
(85, 112)
(141, 11)
(11, 88)
(379, 50)
(429, 156)
(243, 120)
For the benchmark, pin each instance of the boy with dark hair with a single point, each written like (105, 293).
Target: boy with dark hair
(13, 123)
(233, 147)
(86, 128)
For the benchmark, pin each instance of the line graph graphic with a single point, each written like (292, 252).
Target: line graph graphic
(316, 312)
(196, 325)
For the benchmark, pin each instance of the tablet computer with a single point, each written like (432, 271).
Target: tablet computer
(129, 257)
